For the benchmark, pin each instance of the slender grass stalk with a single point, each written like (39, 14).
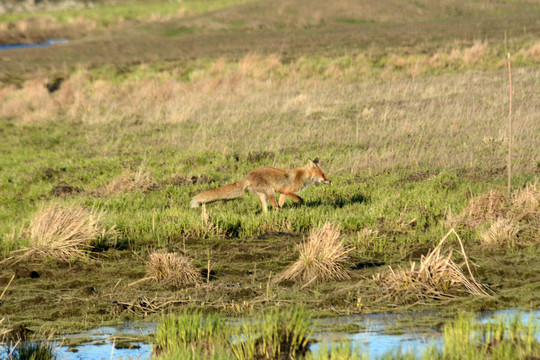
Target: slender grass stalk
(509, 166)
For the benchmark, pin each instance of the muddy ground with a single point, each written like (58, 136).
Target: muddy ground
(101, 290)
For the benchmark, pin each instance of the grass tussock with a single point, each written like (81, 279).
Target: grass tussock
(437, 277)
(499, 338)
(63, 233)
(281, 334)
(129, 182)
(321, 257)
(170, 269)
(502, 231)
(483, 208)
(504, 221)
(188, 331)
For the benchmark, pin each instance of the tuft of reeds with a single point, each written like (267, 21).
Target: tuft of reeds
(16, 345)
(63, 233)
(437, 276)
(499, 338)
(321, 257)
(281, 334)
(189, 331)
(172, 270)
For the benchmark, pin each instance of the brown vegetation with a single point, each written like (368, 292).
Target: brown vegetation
(128, 181)
(502, 221)
(63, 233)
(170, 269)
(321, 257)
(436, 277)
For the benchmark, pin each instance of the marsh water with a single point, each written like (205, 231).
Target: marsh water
(31, 45)
(377, 334)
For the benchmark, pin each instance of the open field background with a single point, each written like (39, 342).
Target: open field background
(406, 109)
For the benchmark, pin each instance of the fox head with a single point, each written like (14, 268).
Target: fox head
(316, 172)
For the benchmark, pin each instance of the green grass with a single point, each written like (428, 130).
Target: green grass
(110, 13)
(465, 338)
(281, 330)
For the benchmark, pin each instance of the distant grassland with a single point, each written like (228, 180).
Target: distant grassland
(105, 13)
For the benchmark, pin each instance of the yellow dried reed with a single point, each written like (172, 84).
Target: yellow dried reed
(321, 257)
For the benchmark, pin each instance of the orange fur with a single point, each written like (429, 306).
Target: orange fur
(265, 182)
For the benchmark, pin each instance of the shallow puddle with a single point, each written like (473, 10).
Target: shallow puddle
(378, 334)
(32, 45)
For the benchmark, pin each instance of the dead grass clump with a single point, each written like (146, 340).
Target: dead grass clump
(129, 182)
(484, 208)
(475, 53)
(172, 270)
(502, 221)
(320, 258)
(526, 204)
(63, 233)
(501, 232)
(436, 277)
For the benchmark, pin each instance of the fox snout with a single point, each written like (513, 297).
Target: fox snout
(324, 180)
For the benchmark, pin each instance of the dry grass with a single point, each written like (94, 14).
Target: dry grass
(437, 276)
(63, 233)
(526, 204)
(502, 221)
(501, 232)
(172, 270)
(128, 182)
(234, 105)
(321, 258)
(484, 208)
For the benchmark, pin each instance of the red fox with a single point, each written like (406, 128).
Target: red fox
(265, 182)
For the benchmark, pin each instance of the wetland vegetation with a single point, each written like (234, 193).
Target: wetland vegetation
(105, 139)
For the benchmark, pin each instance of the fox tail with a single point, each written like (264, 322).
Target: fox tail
(227, 192)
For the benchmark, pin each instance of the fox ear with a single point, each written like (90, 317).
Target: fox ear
(316, 161)
(312, 164)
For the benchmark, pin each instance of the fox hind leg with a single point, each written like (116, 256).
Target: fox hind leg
(282, 198)
(271, 195)
(264, 203)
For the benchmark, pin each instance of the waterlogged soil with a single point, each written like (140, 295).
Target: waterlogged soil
(109, 288)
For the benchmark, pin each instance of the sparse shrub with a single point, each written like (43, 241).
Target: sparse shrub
(436, 277)
(321, 257)
(170, 269)
(64, 233)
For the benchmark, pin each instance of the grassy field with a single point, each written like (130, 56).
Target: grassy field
(407, 112)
